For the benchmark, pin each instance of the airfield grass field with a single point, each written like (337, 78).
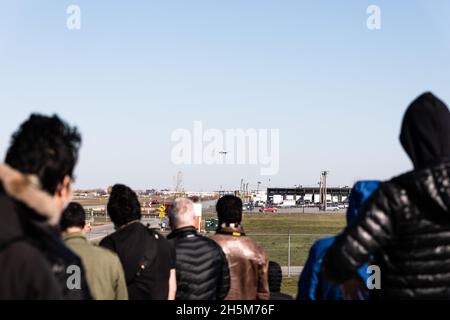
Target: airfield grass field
(289, 286)
(271, 231)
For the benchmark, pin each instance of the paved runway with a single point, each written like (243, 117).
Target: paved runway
(102, 231)
(294, 272)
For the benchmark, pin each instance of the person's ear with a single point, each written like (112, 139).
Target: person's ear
(64, 190)
(62, 198)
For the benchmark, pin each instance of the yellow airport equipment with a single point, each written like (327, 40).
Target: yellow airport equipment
(162, 213)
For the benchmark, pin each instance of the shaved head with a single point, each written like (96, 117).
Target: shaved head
(182, 213)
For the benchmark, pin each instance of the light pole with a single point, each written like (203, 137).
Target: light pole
(320, 194)
(289, 253)
(324, 188)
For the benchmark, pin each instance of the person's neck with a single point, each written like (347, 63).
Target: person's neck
(235, 229)
(72, 230)
(129, 223)
(183, 226)
(230, 224)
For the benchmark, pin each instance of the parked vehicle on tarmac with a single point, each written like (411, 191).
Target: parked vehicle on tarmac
(268, 210)
(260, 204)
(342, 206)
(332, 207)
(288, 203)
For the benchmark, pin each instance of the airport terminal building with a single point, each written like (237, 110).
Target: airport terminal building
(308, 195)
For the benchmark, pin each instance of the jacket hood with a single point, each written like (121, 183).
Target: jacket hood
(360, 194)
(26, 189)
(425, 133)
(10, 226)
(430, 189)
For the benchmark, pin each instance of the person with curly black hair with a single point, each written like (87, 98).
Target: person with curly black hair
(47, 147)
(147, 257)
(35, 187)
(123, 206)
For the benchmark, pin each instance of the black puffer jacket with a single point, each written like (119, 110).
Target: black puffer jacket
(405, 227)
(202, 269)
(407, 230)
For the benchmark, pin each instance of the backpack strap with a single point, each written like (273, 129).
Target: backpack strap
(149, 256)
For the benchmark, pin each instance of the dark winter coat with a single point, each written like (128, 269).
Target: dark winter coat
(34, 261)
(202, 268)
(406, 225)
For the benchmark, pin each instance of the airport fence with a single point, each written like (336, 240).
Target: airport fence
(290, 250)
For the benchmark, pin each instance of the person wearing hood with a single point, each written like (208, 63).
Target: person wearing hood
(35, 186)
(312, 285)
(405, 227)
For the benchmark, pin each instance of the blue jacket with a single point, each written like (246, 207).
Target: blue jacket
(311, 285)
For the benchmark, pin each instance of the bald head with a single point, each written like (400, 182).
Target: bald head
(182, 214)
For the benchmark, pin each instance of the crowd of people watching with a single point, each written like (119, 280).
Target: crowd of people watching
(402, 226)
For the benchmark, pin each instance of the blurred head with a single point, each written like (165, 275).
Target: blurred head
(362, 191)
(275, 277)
(123, 205)
(229, 209)
(182, 214)
(73, 218)
(48, 148)
(425, 133)
(195, 199)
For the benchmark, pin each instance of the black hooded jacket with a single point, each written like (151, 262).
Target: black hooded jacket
(425, 134)
(33, 259)
(405, 228)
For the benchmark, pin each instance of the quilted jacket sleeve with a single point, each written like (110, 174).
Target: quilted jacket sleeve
(370, 233)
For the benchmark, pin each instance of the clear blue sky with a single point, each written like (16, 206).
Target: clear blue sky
(137, 70)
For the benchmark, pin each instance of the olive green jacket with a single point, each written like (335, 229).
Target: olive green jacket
(104, 272)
